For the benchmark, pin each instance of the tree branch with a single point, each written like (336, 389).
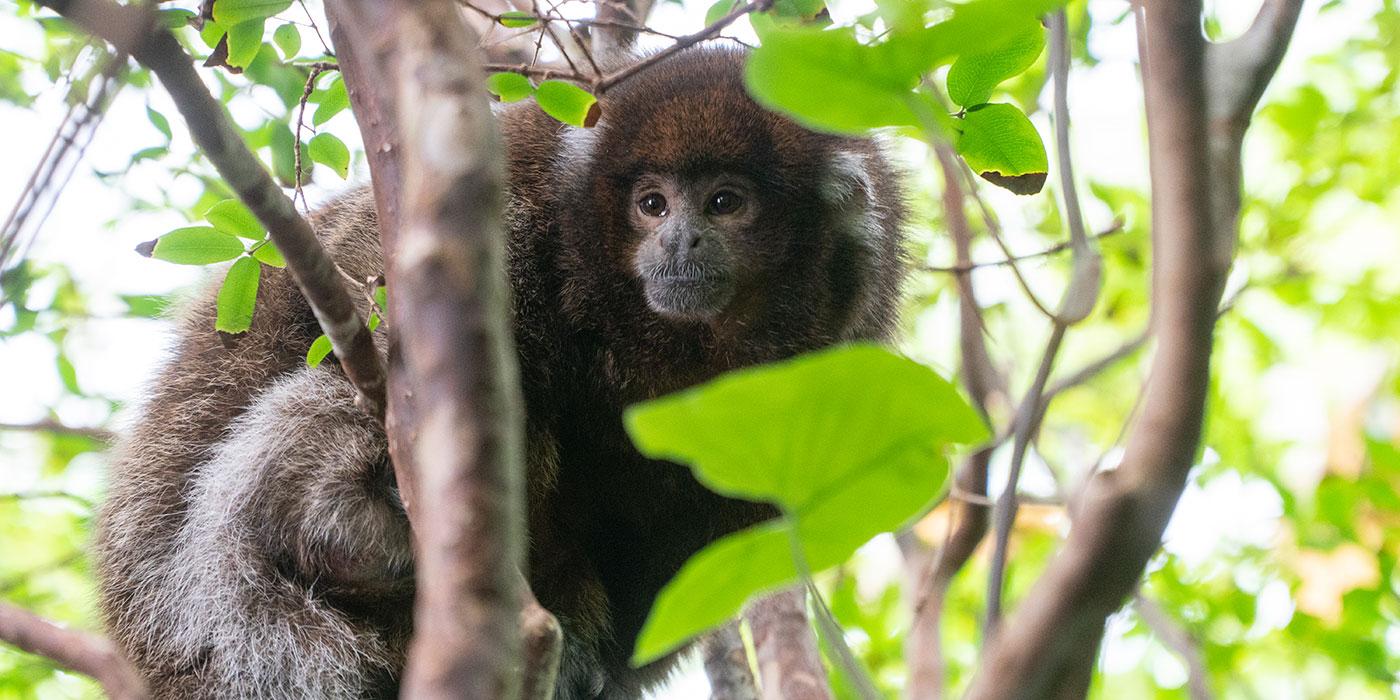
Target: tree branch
(451, 297)
(727, 665)
(1049, 646)
(57, 428)
(77, 651)
(1075, 305)
(132, 30)
(789, 665)
(1115, 228)
(1176, 638)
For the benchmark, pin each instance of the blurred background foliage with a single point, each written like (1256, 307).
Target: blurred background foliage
(1278, 577)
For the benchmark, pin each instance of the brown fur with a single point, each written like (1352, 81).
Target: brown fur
(252, 544)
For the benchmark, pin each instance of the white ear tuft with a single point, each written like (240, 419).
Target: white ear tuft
(848, 184)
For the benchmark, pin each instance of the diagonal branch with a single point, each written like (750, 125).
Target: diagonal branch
(82, 652)
(132, 30)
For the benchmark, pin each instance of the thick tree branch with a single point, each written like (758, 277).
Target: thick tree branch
(541, 643)
(1049, 646)
(81, 652)
(727, 665)
(131, 29)
(452, 299)
(789, 665)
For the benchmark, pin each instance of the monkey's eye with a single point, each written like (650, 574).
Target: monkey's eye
(652, 205)
(725, 202)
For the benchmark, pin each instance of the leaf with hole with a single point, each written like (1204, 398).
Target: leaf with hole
(568, 103)
(331, 152)
(237, 297)
(193, 245)
(510, 87)
(1002, 146)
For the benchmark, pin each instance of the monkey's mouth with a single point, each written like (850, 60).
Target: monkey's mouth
(686, 291)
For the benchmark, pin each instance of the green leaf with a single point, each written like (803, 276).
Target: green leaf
(568, 103)
(373, 322)
(288, 38)
(237, 296)
(318, 350)
(718, 10)
(974, 75)
(801, 9)
(828, 80)
(848, 442)
(516, 19)
(268, 254)
(888, 401)
(331, 152)
(231, 12)
(381, 297)
(244, 40)
(159, 121)
(510, 87)
(1002, 146)
(332, 101)
(177, 18)
(193, 245)
(231, 216)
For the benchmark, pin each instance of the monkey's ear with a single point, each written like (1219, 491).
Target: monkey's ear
(849, 187)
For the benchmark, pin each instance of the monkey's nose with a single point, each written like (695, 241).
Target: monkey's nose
(681, 241)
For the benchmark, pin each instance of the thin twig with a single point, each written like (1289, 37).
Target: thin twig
(316, 70)
(57, 428)
(1176, 638)
(1113, 229)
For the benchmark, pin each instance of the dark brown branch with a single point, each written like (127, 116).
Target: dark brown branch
(685, 42)
(1176, 638)
(131, 29)
(57, 428)
(1049, 646)
(727, 665)
(450, 295)
(76, 651)
(789, 665)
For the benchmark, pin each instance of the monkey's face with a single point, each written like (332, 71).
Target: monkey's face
(686, 228)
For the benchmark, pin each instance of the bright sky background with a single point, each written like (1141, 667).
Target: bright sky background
(116, 357)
